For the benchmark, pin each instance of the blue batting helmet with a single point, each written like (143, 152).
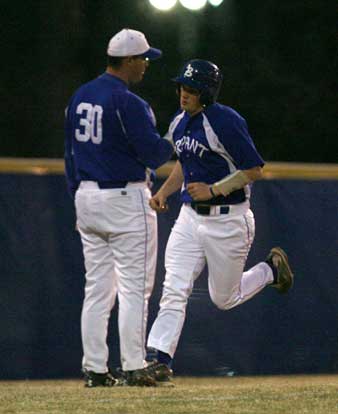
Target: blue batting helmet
(204, 76)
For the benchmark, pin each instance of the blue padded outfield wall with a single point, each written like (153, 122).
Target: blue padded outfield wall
(41, 287)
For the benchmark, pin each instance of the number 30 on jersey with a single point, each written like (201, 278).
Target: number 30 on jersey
(90, 127)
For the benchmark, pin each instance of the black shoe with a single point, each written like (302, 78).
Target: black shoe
(278, 260)
(92, 379)
(136, 378)
(160, 372)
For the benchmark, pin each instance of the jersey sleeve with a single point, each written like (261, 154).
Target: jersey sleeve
(236, 139)
(140, 128)
(172, 125)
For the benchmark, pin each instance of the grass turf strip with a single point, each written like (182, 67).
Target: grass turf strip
(237, 395)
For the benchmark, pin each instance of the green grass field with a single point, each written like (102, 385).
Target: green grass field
(237, 395)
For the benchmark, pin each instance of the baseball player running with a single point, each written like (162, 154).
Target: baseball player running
(110, 140)
(217, 161)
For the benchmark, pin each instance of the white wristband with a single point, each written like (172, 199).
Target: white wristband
(232, 182)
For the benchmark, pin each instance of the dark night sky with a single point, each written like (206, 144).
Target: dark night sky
(279, 60)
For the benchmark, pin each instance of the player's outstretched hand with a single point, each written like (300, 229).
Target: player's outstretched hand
(199, 191)
(159, 203)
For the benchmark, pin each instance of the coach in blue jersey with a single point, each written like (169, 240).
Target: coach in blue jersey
(217, 160)
(111, 141)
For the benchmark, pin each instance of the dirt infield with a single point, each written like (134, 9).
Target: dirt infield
(237, 395)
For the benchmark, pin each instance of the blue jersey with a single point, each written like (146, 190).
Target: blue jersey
(211, 145)
(110, 134)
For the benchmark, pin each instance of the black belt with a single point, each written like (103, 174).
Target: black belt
(204, 209)
(111, 184)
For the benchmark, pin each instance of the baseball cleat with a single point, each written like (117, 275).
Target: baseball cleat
(92, 379)
(278, 259)
(161, 373)
(137, 378)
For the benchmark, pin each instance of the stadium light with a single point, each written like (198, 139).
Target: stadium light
(215, 3)
(193, 4)
(166, 5)
(163, 4)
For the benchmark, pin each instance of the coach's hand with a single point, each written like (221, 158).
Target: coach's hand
(199, 191)
(159, 203)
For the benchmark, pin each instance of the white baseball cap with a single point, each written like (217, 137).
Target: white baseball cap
(130, 42)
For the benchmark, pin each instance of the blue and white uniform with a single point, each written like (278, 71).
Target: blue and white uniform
(111, 135)
(111, 139)
(210, 145)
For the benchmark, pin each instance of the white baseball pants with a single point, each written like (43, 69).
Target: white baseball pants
(221, 240)
(119, 235)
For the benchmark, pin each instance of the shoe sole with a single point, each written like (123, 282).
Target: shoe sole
(285, 269)
(133, 384)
